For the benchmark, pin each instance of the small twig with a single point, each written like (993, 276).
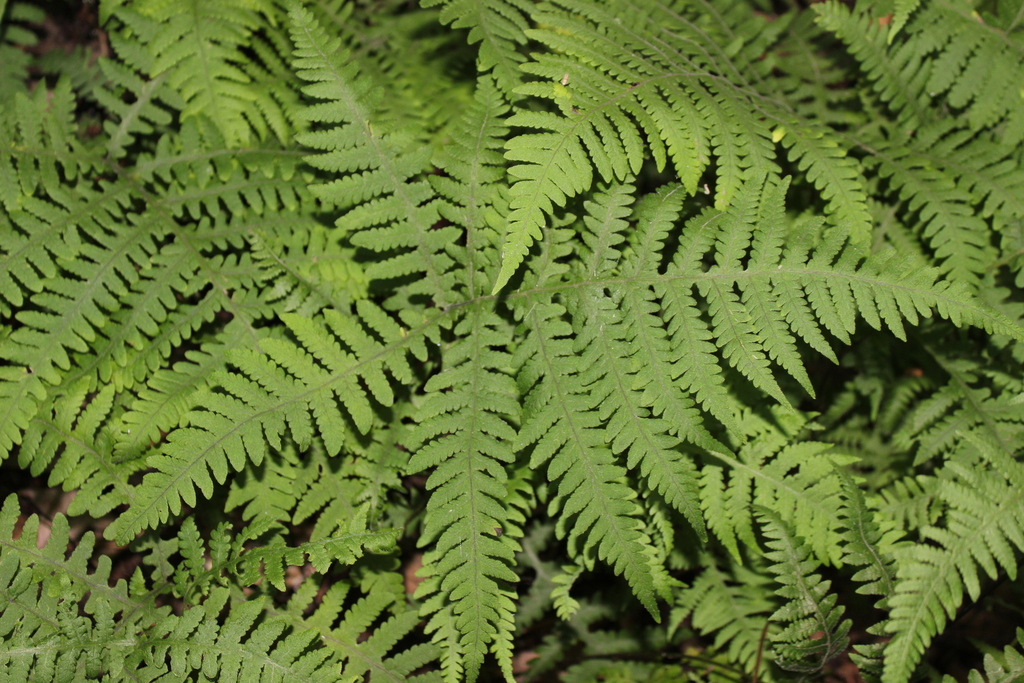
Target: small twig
(760, 651)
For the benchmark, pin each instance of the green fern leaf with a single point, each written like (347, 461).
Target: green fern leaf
(498, 25)
(198, 48)
(985, 521)
(270, 392)
(385, 209)
(613, 92)
(563, 430)
(863, 541)
(465, 432)
(734, 604)
(814, 634)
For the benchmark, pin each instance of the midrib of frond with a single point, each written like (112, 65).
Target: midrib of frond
(186, 194)
(756, 363)
(506, 65)
(969, 396)
(63, 332)
(950, 206)
(184, 391)
(684, 420)
(223, 286)
(988, 318)
(806, 596)
(122, 133)
(640, 422)
(99, 646)
(79, 159)
(677, 65)
(484, 585)
(237, 653)
(210, 88)
(474, 208)
(245, 156)
(12, 601)
(980, 174)
(857, 525)
(42, 240)
(37, 558)
(305, 282)
(150, 293)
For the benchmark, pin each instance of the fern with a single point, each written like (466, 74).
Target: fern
(62, 619)
(266, 394)
(375, 341)
(499, 26)
(372, 186)
(814, 633)
(734, 605)
(623, 87)
(984, 525)
(1006, 667)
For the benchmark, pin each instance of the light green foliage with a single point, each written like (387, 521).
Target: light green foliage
(733, 603)
(372, 341)
(1001, 667)
(64, 620)
(813, 633)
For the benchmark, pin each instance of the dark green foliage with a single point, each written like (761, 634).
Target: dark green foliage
(681, 338)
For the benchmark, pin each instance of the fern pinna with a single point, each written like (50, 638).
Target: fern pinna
(510, 340)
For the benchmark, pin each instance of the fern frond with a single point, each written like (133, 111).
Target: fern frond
(944, 51)
(498, 25)
(306, 270)
(897, 75)
(465, 432)
(138, 104)
(733, 604)
(946, 195)
(912, 502)
(976, 61)
(985, 522)
(37, 150)
(1002, 667)
(662, 367)
(863, 546)
(471, 193)
(239, 649)
(941, 422)
(814, 633)
(345, 549)
(385, 209)
(382, 613)
(60, 617)
(796, 481)
(198, 48)
(169, 393)
(71, 442)
(635, 76)
(603, 342)
(270, 391)
(14, 37)
(561, 425)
